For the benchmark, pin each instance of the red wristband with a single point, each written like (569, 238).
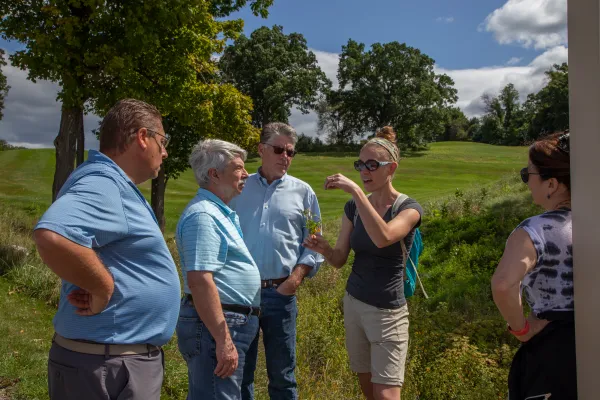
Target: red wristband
(522, 332)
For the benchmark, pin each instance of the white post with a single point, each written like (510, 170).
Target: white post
(584, 98)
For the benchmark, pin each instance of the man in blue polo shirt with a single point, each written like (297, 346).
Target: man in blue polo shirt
(271, 211)
(219, 314)
(120, 288)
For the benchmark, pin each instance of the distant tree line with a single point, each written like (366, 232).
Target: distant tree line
(507, 121)
(4, 145)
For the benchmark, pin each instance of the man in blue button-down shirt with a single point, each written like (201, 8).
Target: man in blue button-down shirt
(270, 210)
(119, 299)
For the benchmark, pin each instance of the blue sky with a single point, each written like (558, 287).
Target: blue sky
(482, 45)
(446, 30)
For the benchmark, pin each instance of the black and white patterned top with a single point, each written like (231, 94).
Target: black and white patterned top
(549, 285)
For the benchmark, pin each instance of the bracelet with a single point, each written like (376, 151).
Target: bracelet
(522, 332)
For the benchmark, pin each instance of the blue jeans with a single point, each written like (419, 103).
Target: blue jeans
(278, 325)
(198, 348)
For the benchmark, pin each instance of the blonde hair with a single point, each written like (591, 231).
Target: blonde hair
(386, 138)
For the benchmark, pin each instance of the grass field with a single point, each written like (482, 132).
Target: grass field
(460, 305)
(26, 176)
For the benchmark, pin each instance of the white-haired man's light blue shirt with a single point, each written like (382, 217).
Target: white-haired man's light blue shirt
(273, 223)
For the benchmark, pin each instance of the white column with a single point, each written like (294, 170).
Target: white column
(584, 97)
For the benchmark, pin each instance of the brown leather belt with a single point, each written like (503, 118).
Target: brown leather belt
(272, 283)
(246, 310)
(103, 349)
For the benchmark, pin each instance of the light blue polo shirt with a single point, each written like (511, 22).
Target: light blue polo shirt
(99, 207)
(273, 223)
(209, 238)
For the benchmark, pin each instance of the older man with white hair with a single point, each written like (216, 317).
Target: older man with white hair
(218, 319)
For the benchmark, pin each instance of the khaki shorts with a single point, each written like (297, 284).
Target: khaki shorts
(376, 340)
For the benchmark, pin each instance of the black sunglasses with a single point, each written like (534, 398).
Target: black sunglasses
(525, 174)
(371, 165)
(279, 150)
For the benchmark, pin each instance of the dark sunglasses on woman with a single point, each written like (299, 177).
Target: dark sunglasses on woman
(371, 165)
(525, 175)
(278, 150)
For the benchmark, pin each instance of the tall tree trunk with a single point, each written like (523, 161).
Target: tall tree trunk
(157, 198)
(71, 122)
(81, 143)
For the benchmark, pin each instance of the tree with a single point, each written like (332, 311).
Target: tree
(158, 51)
(276, 70)
(549, 108)
(394, 84)
(473, 127)
(223, 8)
(3, 84)
(333, 121)
(505, 119)
(99, 52)
(456, 126)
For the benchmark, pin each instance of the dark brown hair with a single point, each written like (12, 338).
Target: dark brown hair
(122, 122)
(551, 155)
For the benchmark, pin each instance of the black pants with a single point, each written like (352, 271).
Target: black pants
(544, 367)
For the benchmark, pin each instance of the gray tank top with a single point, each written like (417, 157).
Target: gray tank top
(377, 276)
(549, 285)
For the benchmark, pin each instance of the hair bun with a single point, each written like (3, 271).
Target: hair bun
(387, 132)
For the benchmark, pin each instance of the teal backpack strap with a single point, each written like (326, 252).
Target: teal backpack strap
(395, 207)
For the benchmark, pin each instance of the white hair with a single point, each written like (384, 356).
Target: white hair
(213, 153)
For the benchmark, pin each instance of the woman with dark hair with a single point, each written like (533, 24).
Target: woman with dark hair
(375, 310)
(538, 260)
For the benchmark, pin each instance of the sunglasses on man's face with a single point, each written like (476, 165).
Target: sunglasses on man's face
(370, 165)
(278, 150)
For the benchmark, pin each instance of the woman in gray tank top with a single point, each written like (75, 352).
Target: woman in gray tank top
(375, 310)
(538, 260)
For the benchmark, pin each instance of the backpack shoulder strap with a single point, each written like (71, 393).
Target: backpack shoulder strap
(398, 203)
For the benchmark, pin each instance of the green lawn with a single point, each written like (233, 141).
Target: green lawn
(26, 175)
(25, 330)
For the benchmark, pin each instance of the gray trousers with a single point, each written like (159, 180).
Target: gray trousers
(77, 376)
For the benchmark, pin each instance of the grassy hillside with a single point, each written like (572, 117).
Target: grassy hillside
(459, 347)
(26, 175)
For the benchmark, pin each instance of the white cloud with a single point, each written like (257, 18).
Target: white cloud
(473, 83)
(538, 23)
(514, 61)
(32, 114)
(329, 64)
(447, 20)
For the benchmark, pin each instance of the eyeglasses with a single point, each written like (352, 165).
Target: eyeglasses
(279, 150)
(525, 174)
(167, 138)
(371, 165)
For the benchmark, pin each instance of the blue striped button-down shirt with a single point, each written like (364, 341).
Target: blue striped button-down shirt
(271, 217)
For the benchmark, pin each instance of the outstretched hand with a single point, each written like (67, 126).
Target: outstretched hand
(339, 181)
